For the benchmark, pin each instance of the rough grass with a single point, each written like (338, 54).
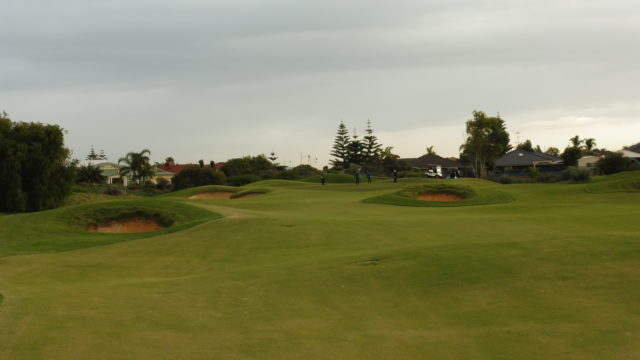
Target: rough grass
(313, 272)
(628, 181)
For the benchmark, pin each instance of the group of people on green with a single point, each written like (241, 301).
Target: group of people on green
(357, 175)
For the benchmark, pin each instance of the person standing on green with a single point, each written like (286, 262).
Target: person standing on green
(395, 176)
(369, 175)
(357, 176)
(322, 177)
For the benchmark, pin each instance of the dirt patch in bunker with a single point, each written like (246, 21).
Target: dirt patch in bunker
(212, 195)
(127, 226)
(439, 197)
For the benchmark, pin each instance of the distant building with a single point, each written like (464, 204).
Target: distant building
(590, 162)
(519, 163)
(431, 162)
(111, 172)
(635, 148)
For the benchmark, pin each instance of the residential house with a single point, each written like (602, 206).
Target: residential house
(111, 171)
(519, 163)
(590, 162)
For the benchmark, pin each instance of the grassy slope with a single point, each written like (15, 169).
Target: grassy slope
(284, 276)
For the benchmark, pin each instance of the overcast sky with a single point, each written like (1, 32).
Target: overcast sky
(209, 79)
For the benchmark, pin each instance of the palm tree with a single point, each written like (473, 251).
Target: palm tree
(137, 166)
(576, 141)
(589, 144)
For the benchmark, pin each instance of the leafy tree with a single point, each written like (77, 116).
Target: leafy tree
(570, 155)
(431, 151)
(169, 160)
(487, 139)
(553, 151)
(136, 165)
(340, 148)
(391, 161)
(193, 176)
(35, 171)
(614, 163)
(201, 163)
(526, 146)
(273, 158)
(372, 148)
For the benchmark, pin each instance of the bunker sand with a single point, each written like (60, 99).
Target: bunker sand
(212, 195)
(126, 226)
(439, 197)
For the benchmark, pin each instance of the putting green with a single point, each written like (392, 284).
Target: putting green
(311, 271)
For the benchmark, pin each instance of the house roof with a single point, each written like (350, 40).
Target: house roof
(429, 160)
(629, 153)
(525, 158)
(635, 148)
(172, 168)
(161, 172)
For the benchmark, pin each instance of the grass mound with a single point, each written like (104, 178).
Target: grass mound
(466, 195)
(64, 229)
(249, 193)
(628, 181)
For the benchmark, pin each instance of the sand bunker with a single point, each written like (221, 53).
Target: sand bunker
(212, 195)
(439, 197)
(248, 195)
(133, 225)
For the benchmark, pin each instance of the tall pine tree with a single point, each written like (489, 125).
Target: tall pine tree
(372, 149)
(340, 148)
(355, 150)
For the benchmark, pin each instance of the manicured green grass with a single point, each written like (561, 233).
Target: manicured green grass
(314, 272)
(334, 179)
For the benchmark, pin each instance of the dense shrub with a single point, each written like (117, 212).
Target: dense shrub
(240, 180)
(90, 174)
(548, 178)
(113, 190)
(297, 173)
(504, 179)
(193, 176)
(577, 175)
(248, 165)
(163, 184)
(614, 163)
